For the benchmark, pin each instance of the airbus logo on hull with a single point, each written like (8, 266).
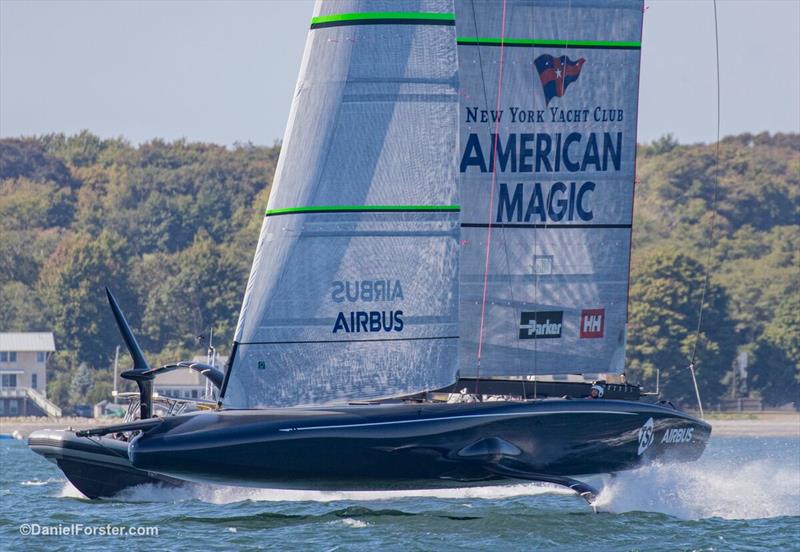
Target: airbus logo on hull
(678, 435)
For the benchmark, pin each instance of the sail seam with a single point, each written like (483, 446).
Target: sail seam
(346, 340)
(547, 43)
(491, 194)
(383, 18)
(364, 209)
(542, 226)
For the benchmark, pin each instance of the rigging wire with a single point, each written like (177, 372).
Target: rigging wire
(535, 230)
(713, 220)
(514, 313)
(486, 105)
(494, 182)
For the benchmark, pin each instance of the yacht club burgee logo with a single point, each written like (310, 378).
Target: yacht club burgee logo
(557, 73)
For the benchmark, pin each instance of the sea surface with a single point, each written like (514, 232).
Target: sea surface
(744, 494)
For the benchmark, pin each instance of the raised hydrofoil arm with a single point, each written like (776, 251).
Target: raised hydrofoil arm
(142, 374)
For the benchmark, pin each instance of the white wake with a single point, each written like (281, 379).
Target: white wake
(724, 489)
(227, 495)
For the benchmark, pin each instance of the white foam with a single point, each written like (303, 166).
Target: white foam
(153, 492)
(70, 491)
(40, 482)
(227, 495)
(725, 489)
(355, 523)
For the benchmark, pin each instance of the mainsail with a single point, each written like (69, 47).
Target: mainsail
(548, 111)
(454, 196)
(353, 292)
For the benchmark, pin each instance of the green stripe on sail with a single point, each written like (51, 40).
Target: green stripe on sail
(546, 42)
(364, 209)
(366, 16)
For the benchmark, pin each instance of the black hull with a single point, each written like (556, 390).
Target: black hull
(412, 446)
(97, 467)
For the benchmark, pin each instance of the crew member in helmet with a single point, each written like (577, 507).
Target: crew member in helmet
(596, 392)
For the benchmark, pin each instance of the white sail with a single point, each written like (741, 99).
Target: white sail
(557, 82)
(353, 292)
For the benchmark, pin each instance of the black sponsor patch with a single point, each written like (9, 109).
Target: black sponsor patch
(540, 325)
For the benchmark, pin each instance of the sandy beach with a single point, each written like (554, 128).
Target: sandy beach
(757, 424)
(23, 426)
(744, 424)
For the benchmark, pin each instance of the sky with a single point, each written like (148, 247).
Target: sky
(224, 72)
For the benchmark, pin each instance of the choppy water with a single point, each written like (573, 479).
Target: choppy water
(743, 495)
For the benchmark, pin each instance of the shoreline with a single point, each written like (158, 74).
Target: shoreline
(24, 426)
(783, 426)
(734, 424)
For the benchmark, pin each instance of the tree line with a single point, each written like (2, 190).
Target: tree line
(171, 228)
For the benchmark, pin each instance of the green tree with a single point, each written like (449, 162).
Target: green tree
(60, 367)
(102, 386)
(199, 290)
(27, 157)
(775, 369)
(81, 384)
(73, 283)
(665, 144)
(664, 308)
(22, 308)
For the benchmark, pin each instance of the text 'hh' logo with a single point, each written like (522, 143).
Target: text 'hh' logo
(593, 323)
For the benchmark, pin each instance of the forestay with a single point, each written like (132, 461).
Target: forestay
(353, 292)
(546, 221)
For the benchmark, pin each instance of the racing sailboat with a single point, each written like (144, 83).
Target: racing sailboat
(446, 246)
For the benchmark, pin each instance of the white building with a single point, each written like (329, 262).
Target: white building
(23, 374)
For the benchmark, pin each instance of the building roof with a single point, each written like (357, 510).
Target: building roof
(27, 341)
